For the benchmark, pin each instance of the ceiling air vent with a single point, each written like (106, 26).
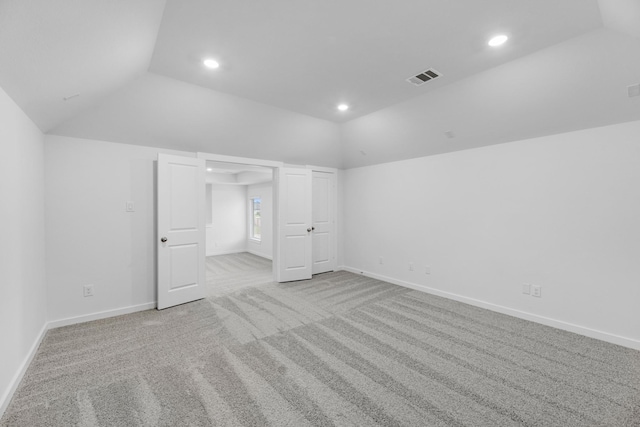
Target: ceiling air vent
(424, 77)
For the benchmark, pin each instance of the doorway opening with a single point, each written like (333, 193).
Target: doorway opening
(239, 226)
(303, 221)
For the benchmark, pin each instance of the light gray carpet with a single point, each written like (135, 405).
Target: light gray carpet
(229, 273)
(339, 350)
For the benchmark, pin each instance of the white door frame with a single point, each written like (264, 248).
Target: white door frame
(276, 166)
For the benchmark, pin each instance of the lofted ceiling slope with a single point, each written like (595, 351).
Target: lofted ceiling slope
(578, 84)
(285, 64)
(50, 50)
(157, 111)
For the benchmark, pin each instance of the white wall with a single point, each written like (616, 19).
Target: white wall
(23, 309)
(561, 211)
(90, 239)
(228, 232)
(264, 247)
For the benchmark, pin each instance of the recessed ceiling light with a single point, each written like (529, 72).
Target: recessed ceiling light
(209, 169)
(211, 63)
(498, 40)
(343, 107)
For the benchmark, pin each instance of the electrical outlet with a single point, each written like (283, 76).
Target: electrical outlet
(380, 260)
(410, 266)
(536, 291)
(427, 270)
(88, 290)
(526, 289)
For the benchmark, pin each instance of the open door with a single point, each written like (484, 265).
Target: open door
(323, 226)
(181, 230)
(294, 198)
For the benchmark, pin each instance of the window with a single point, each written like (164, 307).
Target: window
(255, 220)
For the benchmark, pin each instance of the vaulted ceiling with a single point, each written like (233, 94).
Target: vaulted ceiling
(131, 72)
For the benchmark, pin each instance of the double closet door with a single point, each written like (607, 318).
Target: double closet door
(306, 236)
(307, 229)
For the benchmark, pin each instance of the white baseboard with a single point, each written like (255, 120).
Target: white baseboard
(259, 254)
(235, 251)
(591, 333)
(15, 381)
(100, 315)
(6, 398)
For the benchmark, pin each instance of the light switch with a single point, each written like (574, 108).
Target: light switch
(131, 207)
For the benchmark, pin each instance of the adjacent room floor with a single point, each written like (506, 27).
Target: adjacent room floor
(340, 349)
(228, 273)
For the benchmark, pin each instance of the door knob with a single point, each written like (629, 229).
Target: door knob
(308, 230)
(313, 228)
(163, 239)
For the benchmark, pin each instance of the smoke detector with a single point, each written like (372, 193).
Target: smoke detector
(423, 77)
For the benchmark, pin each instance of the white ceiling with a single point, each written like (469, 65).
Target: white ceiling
(621, 15)
(161, 112)
(287, 63)
(55, 49)
(309, 55)
(577, 84)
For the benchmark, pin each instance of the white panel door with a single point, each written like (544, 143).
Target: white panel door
(295, 224)
(181, 230)
(323, 222)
